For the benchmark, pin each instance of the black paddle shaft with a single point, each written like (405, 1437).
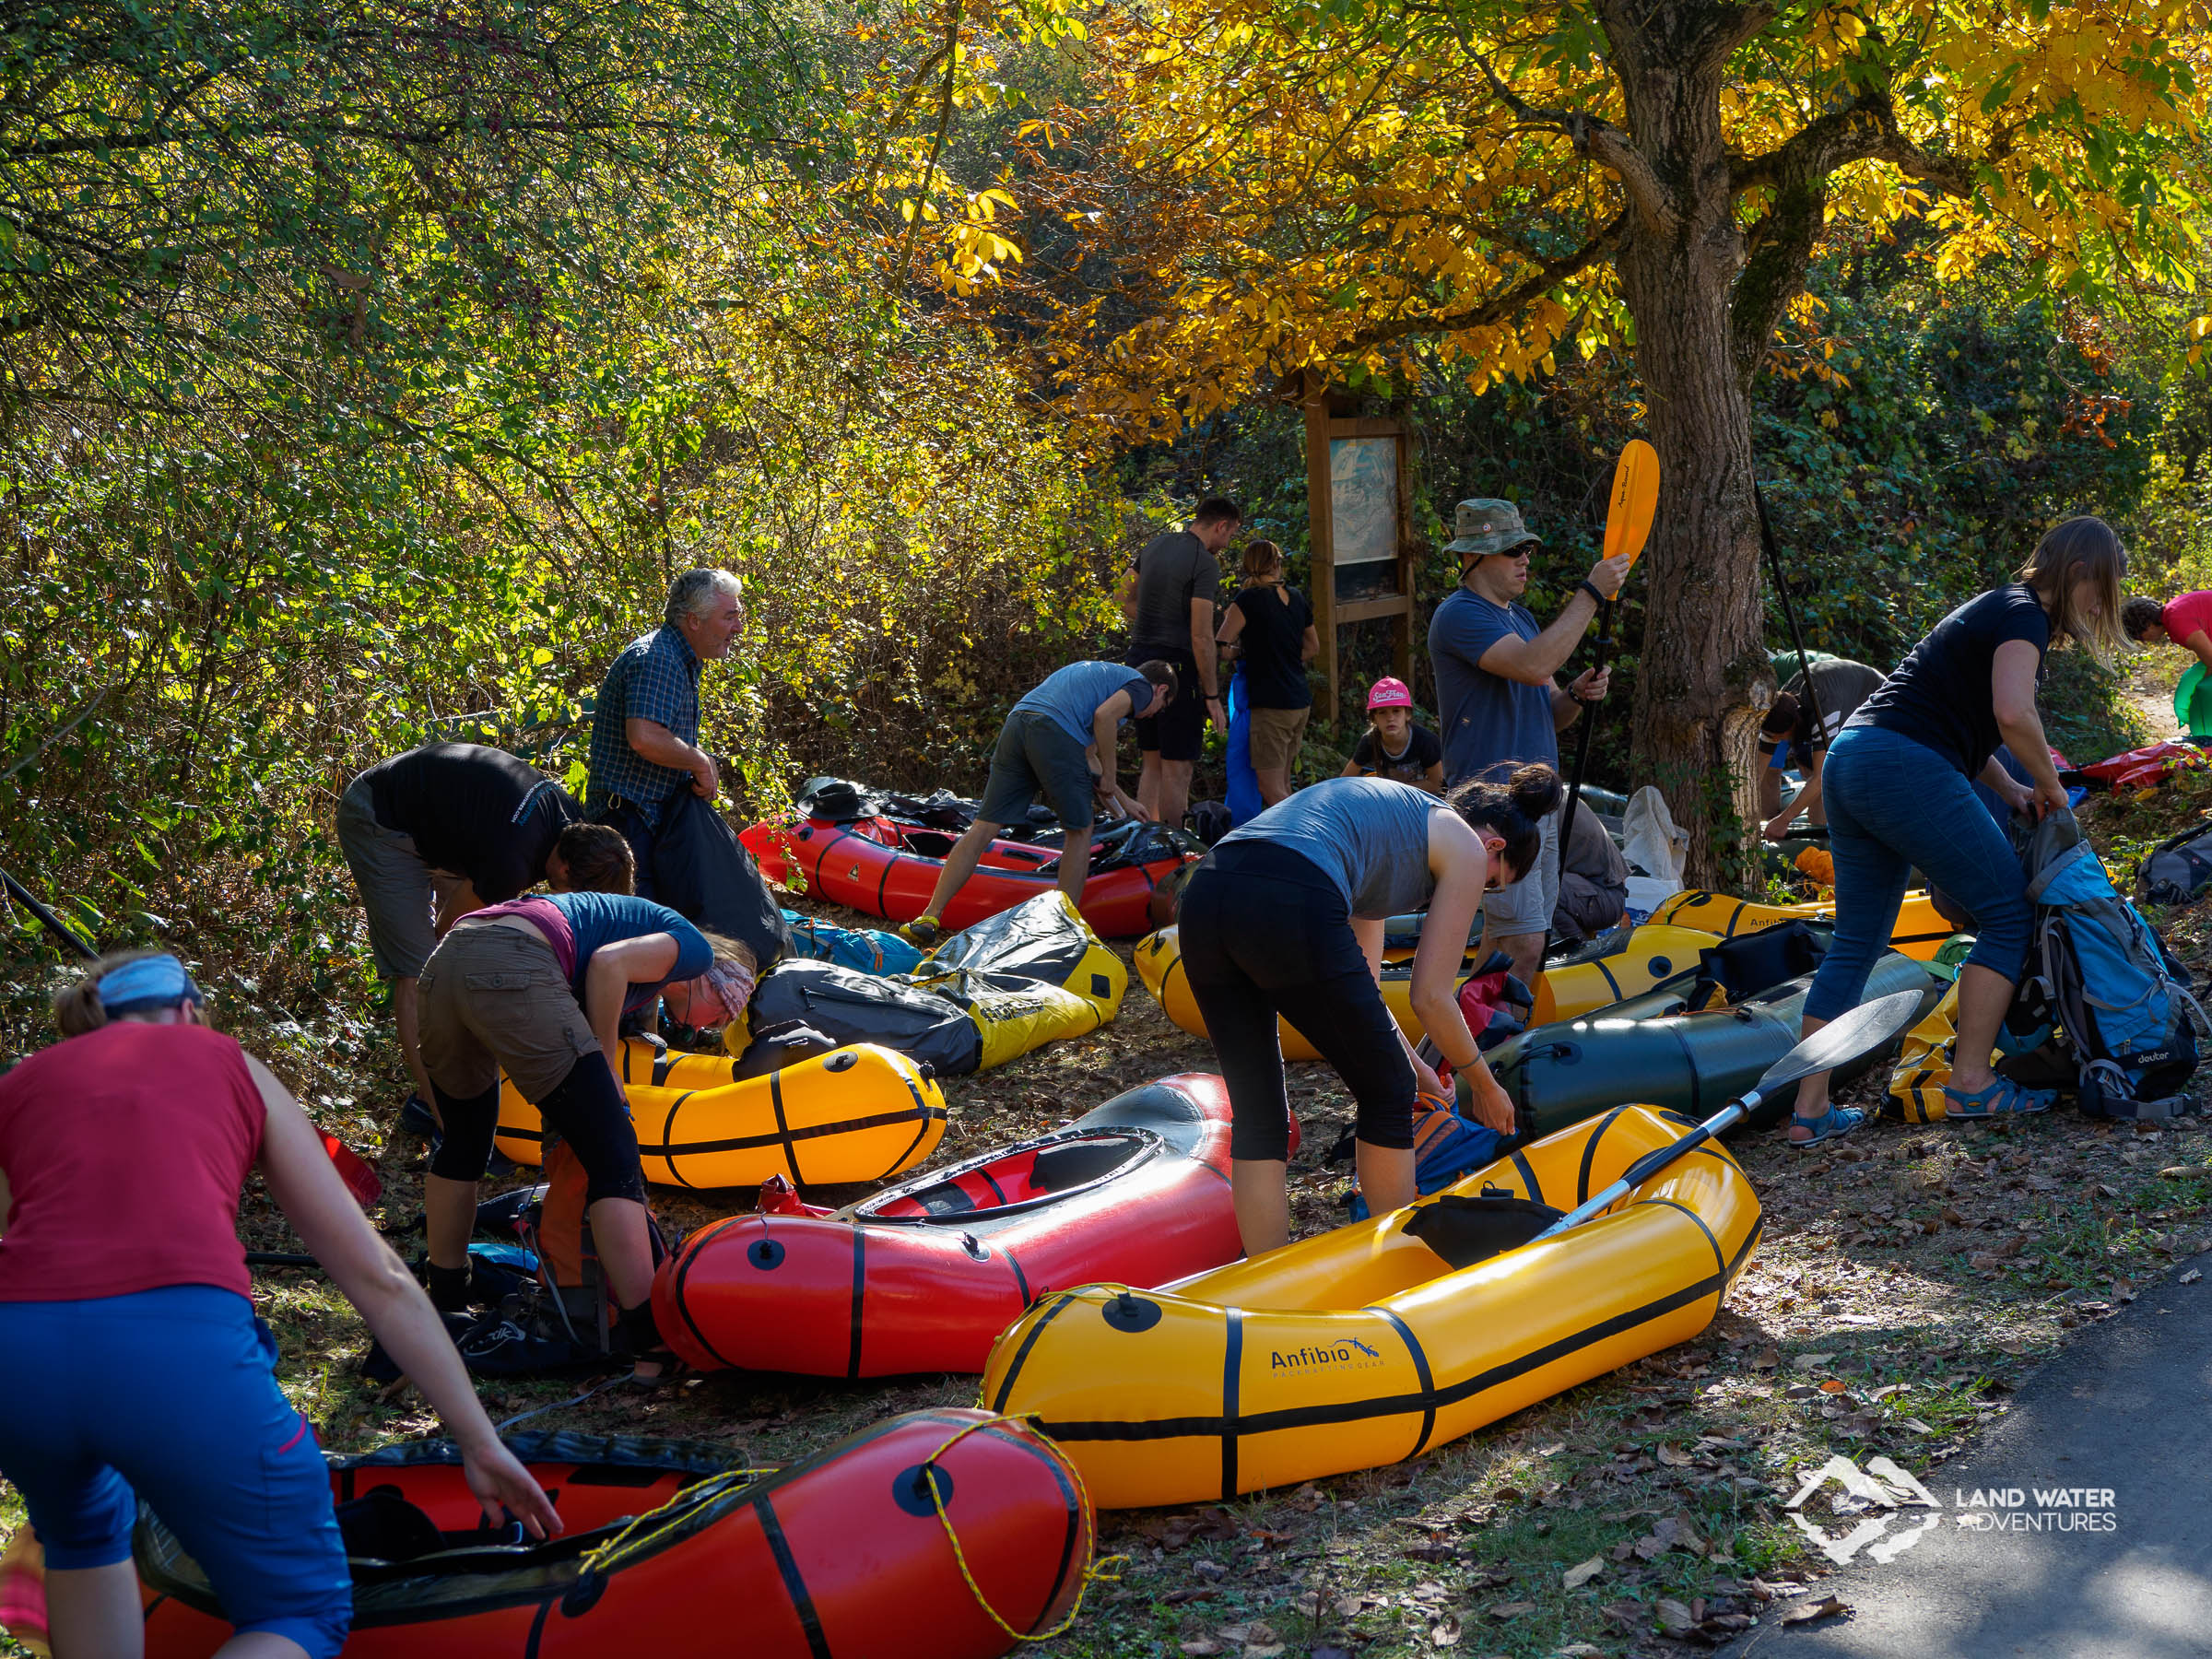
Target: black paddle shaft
(1789, 615)
(51, 923)
(1589, 731)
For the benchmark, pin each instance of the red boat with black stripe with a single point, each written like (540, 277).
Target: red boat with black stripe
(923, 1276)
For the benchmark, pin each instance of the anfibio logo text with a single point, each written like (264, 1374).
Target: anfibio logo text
(1346, 1353)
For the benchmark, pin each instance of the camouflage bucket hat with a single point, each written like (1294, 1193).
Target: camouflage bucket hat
(1485, 525)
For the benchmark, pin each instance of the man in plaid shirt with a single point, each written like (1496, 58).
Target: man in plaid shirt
(645, 727)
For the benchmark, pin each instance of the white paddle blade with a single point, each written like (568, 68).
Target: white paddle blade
(1860, 1031)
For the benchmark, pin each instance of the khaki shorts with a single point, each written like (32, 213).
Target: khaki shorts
(493, 1000)
(1275, 738)
(1526, 906)
(394, 883)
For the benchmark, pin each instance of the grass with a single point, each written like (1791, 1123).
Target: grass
(1907, 1282)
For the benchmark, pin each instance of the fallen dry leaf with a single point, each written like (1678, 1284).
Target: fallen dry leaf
(1264, 1649)
(1827, 1606)
(1766, 1360)
(1575, 1577)
(2190, 1278)
(1806, 1363)
(1204, 1647)
(1510, 1609)
(1673, 1617)
(1674, 1457)
(1445, 1634)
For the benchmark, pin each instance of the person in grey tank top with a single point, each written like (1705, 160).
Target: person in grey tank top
(1284, 919)
(1371, 835)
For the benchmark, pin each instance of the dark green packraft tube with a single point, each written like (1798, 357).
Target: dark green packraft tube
(1650, 1051)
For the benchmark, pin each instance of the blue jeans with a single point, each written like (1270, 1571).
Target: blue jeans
(1892, 803)
(167, 1395)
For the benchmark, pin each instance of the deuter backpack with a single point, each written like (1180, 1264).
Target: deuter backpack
(2101, 974)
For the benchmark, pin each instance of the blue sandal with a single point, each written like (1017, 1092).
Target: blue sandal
(1831, 1125)
(2002, 1098)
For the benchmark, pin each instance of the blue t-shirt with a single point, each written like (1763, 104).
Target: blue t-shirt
(598, 919)
(1370, 836)
(1942, 695)
(1071, 695)
(1487, 718)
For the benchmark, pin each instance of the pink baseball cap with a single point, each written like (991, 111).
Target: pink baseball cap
(1387, 693)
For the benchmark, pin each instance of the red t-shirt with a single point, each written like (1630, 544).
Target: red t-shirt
(2187, 614)
(124, 1150)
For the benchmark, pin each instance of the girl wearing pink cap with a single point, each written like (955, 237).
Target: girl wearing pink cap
(1392, 746)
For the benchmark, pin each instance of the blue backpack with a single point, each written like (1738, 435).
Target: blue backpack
(1445, 1148)
(2102, 975)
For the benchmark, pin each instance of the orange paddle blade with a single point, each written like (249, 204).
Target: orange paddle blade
(1635, 498)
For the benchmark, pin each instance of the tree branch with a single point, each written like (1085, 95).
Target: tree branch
(1503, 304)
(1595, 140)
(1779, 244)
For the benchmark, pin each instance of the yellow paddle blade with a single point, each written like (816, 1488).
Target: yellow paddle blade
(1635, 498)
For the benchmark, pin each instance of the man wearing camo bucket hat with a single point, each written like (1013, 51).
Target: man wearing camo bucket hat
(1500, 696)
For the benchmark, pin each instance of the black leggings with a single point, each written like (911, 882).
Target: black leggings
(585, 1108)
(1265, 932)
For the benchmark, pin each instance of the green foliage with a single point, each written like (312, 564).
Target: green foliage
(370, 375)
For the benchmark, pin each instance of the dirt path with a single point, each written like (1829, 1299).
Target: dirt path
(2150, 689)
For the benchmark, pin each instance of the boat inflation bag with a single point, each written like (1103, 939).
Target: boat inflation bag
(1657, 1051)
(926, 1536)
(1043, 941)
(858, 1114)
(1027, 976)
(850, 1007)
(1159, 965)
(1918, 934)
(702, 871)
(1370, 1344)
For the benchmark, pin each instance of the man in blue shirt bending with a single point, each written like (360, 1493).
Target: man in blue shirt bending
(1499, 696)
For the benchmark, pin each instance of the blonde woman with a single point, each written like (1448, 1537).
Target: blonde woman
(1900, 789)
(1273, 625)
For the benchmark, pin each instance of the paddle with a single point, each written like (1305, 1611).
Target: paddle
(1627, 527)
(1860, 1031)
(1817, 724)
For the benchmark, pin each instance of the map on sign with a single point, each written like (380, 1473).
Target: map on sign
(1363, 499)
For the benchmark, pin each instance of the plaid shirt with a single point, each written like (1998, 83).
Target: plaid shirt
(655, 677)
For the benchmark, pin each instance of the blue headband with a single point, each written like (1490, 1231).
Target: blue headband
(155, 982)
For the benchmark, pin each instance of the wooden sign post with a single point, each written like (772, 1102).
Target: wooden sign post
(1358, 484)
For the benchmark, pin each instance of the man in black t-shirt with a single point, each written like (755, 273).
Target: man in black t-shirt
(1786, 737)
(433, 834)
(1169, 603)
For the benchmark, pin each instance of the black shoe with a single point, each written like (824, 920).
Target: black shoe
(416, 1118)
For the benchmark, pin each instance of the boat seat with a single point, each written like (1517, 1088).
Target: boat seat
(1467, 1231)
(1059, 1168)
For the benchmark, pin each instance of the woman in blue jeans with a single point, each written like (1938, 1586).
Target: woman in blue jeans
(1899, 784)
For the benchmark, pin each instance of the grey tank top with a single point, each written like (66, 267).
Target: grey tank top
(1369, 835)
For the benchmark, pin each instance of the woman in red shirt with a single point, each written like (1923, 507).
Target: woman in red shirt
(137, 1368)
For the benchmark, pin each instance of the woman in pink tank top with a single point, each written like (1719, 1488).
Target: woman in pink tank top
(137, 1368)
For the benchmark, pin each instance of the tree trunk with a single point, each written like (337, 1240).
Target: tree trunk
(1703, 681)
